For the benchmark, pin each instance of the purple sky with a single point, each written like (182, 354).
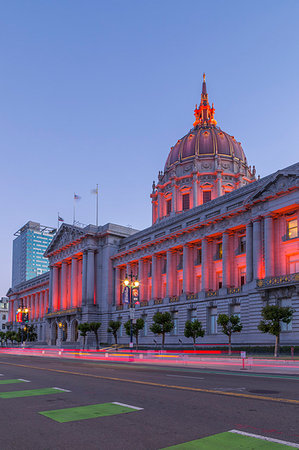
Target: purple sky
(98, 92)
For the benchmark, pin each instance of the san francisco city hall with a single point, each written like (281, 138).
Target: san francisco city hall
(221, 241)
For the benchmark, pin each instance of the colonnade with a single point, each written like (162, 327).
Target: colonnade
(72, 281)
(37, 304)
(256, 262)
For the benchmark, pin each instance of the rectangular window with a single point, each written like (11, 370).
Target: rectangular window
(163, 265)
(242, 244)
(219, 280)
(192, 314)
(180, 261)
(186, 202)
(206, 196)
(145, 325)
(168, 206)
(292, 229)
(242, 276)
(180, 287)
(198, 257)
(293, 263)
(235, 310)
(175, 321)
(3, 326)
(3, 317)
(213, 320)
(198, 284)
(219, 251)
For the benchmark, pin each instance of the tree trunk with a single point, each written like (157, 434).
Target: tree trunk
(229, 344)
(163, 340)
(194, 342)
(137, 341)
(83, 342)
(276, 350)
(115, 337)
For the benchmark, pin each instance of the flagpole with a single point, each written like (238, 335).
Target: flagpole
(57, 221)
(74, 208)
(97, 206)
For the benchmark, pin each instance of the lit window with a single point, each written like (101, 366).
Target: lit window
(206, 196)
(186, 202)
(292, 228)
(219, 251)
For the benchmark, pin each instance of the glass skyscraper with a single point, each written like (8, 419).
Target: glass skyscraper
(29, 247)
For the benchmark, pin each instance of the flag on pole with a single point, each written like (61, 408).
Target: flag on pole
(77, 197)
(60, 219)
(95, 191)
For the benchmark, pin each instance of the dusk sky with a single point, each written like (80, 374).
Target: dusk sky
(98, 92)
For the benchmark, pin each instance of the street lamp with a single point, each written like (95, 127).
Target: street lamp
(131, 296)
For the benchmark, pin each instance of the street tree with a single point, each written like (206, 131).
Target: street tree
(136, 328)
(193, 329)
(31, 333)
(229, 324)
(162, 324)
(272, 317)
(84, 329)
(113, 327)
(2, 336)
(94, 326)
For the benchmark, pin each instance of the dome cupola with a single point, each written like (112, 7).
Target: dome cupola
(204, 164)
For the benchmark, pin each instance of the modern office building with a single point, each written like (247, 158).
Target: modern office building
(3, 313)
(220, 242)
(29, 246)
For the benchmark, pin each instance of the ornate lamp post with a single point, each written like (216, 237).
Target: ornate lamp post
(131, 296)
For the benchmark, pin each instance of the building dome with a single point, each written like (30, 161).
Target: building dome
(203, 165)
(204, 140)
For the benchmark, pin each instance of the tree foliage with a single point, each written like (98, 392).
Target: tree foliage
(193, 329)
(229, 324)
(136, 328)
(162, 324)
(113, 327)
(272, 317)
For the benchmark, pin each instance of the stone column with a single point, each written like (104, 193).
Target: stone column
(169, 273)
(249, 258)
(74, 282)
(257, 248)
(50, 286)
(269, 247)
(154, 276)
(195, 190)
(90, 278)
(63, 286)
(141, 279)
(117, 286)
(205, 265)
(187, 269)
(159, 206)
(84, 277)
(226, 261)
(46, 301)
(55, 295)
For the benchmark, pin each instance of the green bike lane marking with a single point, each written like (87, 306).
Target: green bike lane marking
(89, 412)
(17, 380)
(233, 440)
(31, 392)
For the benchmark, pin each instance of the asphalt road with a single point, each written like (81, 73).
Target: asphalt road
(179, 404)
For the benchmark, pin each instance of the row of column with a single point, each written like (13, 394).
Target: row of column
(257, 265)
(37, 304)
(73, 282)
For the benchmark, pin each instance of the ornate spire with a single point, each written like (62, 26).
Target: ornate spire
(204, 115)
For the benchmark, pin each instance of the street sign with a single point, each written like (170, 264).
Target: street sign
(243, 355)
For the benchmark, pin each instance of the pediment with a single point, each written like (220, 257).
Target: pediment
(66, 235)
(279, 183)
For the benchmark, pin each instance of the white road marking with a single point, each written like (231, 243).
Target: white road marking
(60, 389)
(26, 381)
(228, 389)
(185, 376)
(264, 438)
(1, 375)
(128, 406)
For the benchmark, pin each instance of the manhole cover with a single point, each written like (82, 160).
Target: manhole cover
(263, 391)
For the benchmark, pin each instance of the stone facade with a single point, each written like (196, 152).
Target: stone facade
(231, 252)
